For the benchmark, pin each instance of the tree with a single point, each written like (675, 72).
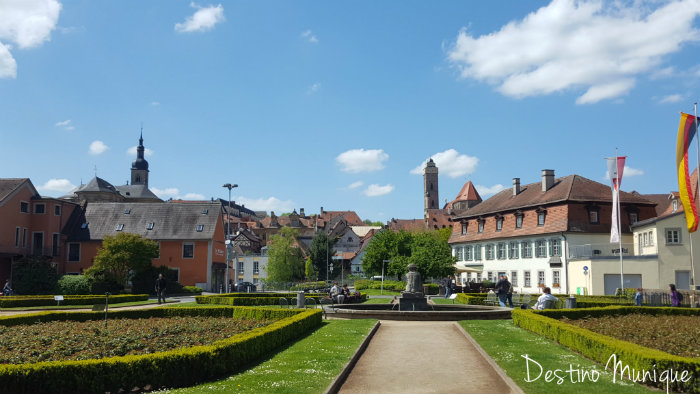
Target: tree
(285, 262)
(371, 223)
(387, 245)
(432, 255)
(309, 270)
(320, 252)
(122, 256)
(34, 275)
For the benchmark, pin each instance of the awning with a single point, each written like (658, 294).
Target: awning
(555, 261)
(468, 269)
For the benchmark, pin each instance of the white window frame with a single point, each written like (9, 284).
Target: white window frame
(256, 267)
(501, 251)
(514, 278)
(519, 221)
(556, 277)
(481, 226)
(527, 279)
(477, 252)
(37, 205)
(651, 238)
(489, 252)
(513, 250)
(464, 229)
(24, 204)
(541, 217)
(526, 249)
(541, 277)
(593, 216)
(675, 240)
(459, 253)
(555, 247)
(240, 267)
(468, 253)
(499, 224)
(541, 248)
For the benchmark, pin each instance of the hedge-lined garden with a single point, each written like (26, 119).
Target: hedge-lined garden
(391, 285)
(602, 348)
(259, 299)
(175, 368)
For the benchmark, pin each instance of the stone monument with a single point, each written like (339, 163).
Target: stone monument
(413, 299)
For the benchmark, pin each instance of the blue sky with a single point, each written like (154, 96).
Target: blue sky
(337, 104)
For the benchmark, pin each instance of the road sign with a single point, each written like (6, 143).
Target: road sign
(585, 268)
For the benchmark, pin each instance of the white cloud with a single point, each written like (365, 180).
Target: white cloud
(65, 125)
(375, 190)
(360, 160)
(309, 36)
(314, 88)
(451, 163)
(355, 185)
(56, 185)
(97, 147)
(204, 19)
(132, 151)
(489, 190)
(673, 98)
(174, 193)
(27, 23)
(586, 45)
(266, 204)
(155, 103)
(626, 172)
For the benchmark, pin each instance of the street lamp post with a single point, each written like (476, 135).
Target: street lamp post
(382, 290)
(228, 230)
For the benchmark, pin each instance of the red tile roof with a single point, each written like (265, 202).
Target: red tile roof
(468, 193)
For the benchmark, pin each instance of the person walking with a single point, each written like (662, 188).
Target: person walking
(7, 290)
(509, 292)
(161, 285)
(502, 290)
(638, 297)
(448, 287)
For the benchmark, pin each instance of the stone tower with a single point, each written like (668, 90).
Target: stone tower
(139, 167)
(430, 186)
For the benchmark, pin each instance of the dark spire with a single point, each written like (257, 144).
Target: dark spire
(140, 163)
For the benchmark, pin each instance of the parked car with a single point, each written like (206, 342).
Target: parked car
(245, 287)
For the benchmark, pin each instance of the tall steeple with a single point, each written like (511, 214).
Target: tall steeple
(139, 167)
(430, 186)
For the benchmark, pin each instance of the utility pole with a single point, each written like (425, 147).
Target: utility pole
(228, 232)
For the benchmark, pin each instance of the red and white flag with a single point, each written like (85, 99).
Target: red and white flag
(616, 166)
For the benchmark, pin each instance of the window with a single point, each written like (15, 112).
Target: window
(519, 221)
(513, 251)
(514, 278)
(477, 252)
(540, 277)
(540, 248)
(540, 218)
(481, 226)
(490, 276)
(149, 226)
(634, 217)
(593, 216)
(40, 208)
(526, 249)
(673, 236)
(24, 207)
(555, 247)
(24, 237)
(526, 278)
(459, 253)
(73, 252)
(501, 251)
(17, 232)
(489, 251)
(646, 239)
(555, 277)
(120, 227)
(127, 211)
(499, 224)
(200, 228)
(84, 225)
(256, 267)
(57, 210)
(55, 245)
(675, 205)
(187, 250)
(468, 255)
(205, 211)
(240, 268)
(464, 228)
(158, 256)
(640, 242)
(651, 238)
(478, 276)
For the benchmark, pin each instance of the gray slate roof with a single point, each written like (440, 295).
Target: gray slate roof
(136, 191)
(9, 185)
(171, 221)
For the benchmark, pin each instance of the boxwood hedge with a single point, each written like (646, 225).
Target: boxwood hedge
(600, 347)
(42, 300)
(174, 368)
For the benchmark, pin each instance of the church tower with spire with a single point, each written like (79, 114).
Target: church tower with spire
(430, 186)
(139, 167)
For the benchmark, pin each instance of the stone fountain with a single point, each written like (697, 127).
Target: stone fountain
(413, 299)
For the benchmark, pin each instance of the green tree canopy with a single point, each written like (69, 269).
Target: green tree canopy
(285, 263)
(123, 255)
(429, 251)
(320, 253)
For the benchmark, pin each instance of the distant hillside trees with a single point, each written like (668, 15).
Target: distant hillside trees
(285, 263)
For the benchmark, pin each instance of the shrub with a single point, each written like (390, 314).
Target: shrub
(74, 284)
(472, 298)
(192, 290)
(165, 369)
(309, 286)
(34, 275)
(27, 301)
(600, 348)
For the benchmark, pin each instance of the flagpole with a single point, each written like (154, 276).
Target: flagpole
(697, 169)
(619, 223)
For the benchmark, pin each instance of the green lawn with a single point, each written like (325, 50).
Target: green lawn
(506, 344)
(307, 366)
(372, 292)
(377, 301)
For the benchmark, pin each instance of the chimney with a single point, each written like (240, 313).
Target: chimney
(321, 211)
(301, 212)
(516, 186)
(547, 179)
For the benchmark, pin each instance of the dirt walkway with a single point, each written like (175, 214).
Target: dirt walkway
(425, 357)
(170, 301)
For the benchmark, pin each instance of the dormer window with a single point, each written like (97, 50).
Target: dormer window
(120, 227)
(127, 211)
(149, 226)
(84, 225)
(518, 219)
(200, 228)
(481, 226)
(634, 217)
(674, 205)
(499, 224)
(593, 215)
(464, 228)
(205, 211)
(541, 215)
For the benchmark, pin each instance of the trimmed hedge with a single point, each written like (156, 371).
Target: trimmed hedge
(176, 368)
(600, 348)
(310, 286)
(22, 301)
(258, 301)
(471, 298)
(265, 295)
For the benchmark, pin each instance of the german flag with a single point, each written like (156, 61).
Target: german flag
(686, 131)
